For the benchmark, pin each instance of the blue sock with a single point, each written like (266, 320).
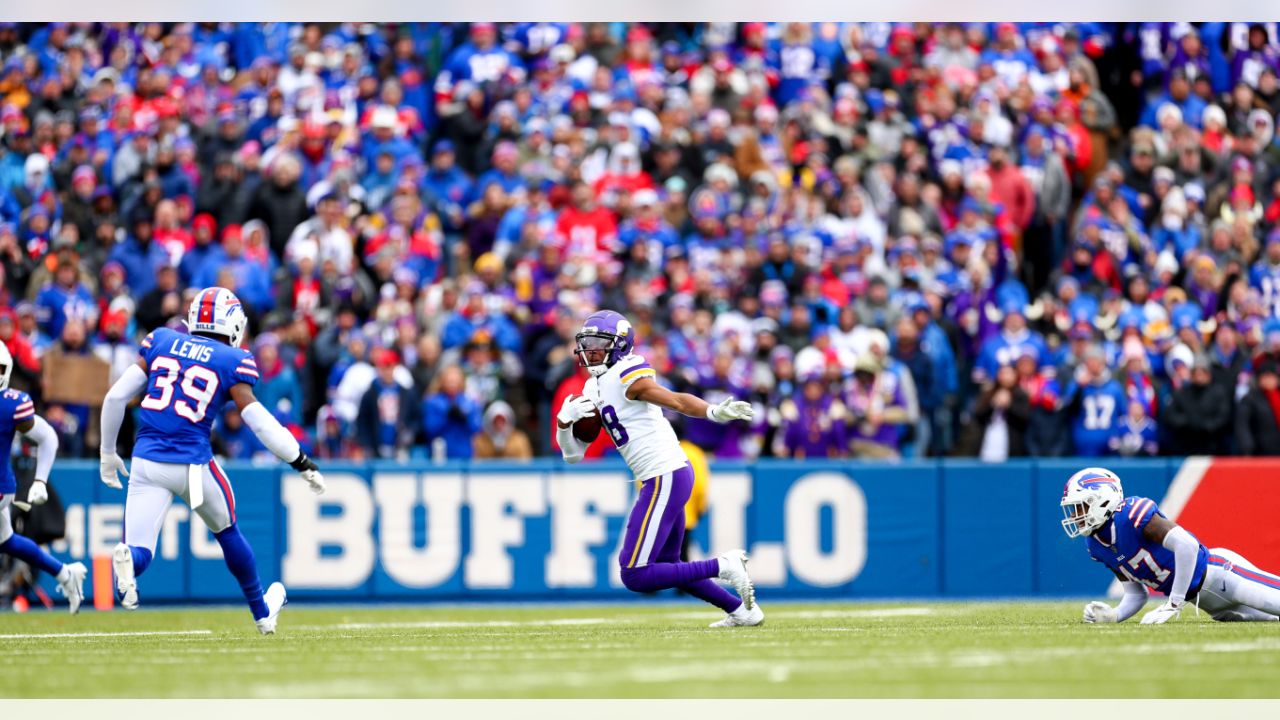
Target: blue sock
(141, 559)
(27, 551)
(239, 557)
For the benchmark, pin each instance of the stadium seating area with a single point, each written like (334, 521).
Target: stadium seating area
(987, 240)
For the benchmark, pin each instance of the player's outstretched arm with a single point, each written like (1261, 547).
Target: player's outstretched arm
(1135, 596)
(275, 437)
(131, 382)
(648, 390)
(46, 439)
(1185, 548)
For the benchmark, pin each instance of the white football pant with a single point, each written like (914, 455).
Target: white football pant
(152, 487)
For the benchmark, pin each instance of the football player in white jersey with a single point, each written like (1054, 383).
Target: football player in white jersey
(622, 389)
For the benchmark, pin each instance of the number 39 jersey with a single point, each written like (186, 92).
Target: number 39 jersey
(189, 380)
(638, 429)
(1121, 546)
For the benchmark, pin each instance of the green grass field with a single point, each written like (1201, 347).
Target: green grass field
(986, 650)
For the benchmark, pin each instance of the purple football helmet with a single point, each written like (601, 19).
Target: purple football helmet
(604, 330)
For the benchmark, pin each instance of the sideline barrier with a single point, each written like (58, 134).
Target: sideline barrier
(546, 530)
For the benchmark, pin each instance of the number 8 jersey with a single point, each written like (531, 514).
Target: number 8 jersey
(189, 380)
(638, 429)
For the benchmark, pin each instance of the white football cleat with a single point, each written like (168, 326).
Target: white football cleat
(71, 584)
(733, 569)
(126, 583)
(742, 618)
(275, 599)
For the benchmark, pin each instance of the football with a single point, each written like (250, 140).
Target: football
(587, 429)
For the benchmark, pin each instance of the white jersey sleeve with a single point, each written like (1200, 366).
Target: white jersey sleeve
(638, 429)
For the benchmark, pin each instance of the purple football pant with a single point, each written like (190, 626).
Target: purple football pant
(650, 556)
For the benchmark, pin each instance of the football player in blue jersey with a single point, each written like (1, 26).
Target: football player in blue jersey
(187, 380)
(1147, 550)
(18, 415)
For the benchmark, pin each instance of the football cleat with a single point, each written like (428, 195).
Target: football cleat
(742, 618)
(733, 569)
(126, 583)
(275, 598)
(71, 584)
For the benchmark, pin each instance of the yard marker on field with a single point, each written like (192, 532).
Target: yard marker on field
(104, 597)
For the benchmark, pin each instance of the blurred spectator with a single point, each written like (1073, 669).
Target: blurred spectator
(1257, 421)
(1001, 416)
(278, 383)
(450, 418)
(814, 424)
(1199, 412)
(500, 439)
(1092, 401)
(876, 408)
(1135, 433)
(387, 416)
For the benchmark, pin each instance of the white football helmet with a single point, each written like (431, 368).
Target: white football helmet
(1089, 500)
(217, 310)
(6, 367)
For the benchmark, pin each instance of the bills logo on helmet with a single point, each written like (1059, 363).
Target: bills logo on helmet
(1096, 483)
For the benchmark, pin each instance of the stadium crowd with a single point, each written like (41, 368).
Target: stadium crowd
(899, 240)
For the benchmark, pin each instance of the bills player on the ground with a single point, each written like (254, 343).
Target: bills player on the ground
(1147, 550)
(18, 415)
(187, 380)
(623, 390)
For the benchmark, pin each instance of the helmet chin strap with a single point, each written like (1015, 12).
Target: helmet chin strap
(598, 370)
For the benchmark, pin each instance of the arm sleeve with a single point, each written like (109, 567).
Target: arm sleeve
(571, 448)
(132, 382)
(46, 440)
(1185, 548)
(1135, 596)
(273, 435)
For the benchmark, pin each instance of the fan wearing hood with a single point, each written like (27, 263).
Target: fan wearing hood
(499, 438)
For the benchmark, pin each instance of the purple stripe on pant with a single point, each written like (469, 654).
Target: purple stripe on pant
(650, 556)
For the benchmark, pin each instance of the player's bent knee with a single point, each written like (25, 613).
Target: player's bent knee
(638, 579)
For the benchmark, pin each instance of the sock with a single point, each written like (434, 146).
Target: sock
(141, 559)
(660, 576)
(239, 557)
(708, 591)
(25, 549)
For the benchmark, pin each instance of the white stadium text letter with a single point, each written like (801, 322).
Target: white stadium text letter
(804, 504)
(352, 530)
(499, 505)
(398, 496)
(581, 504)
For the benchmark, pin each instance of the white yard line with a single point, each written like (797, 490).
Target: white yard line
(445, 624)
(562, 622)
(825, 614)
(139, 633)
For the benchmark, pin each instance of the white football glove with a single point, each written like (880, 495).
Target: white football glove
(37, 495)
(1100, 612)
(108, 466)
(574, 409)
(315, 480)
(1162, 614)
(729, 410)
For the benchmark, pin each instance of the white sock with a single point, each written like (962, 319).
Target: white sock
(64, 574)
